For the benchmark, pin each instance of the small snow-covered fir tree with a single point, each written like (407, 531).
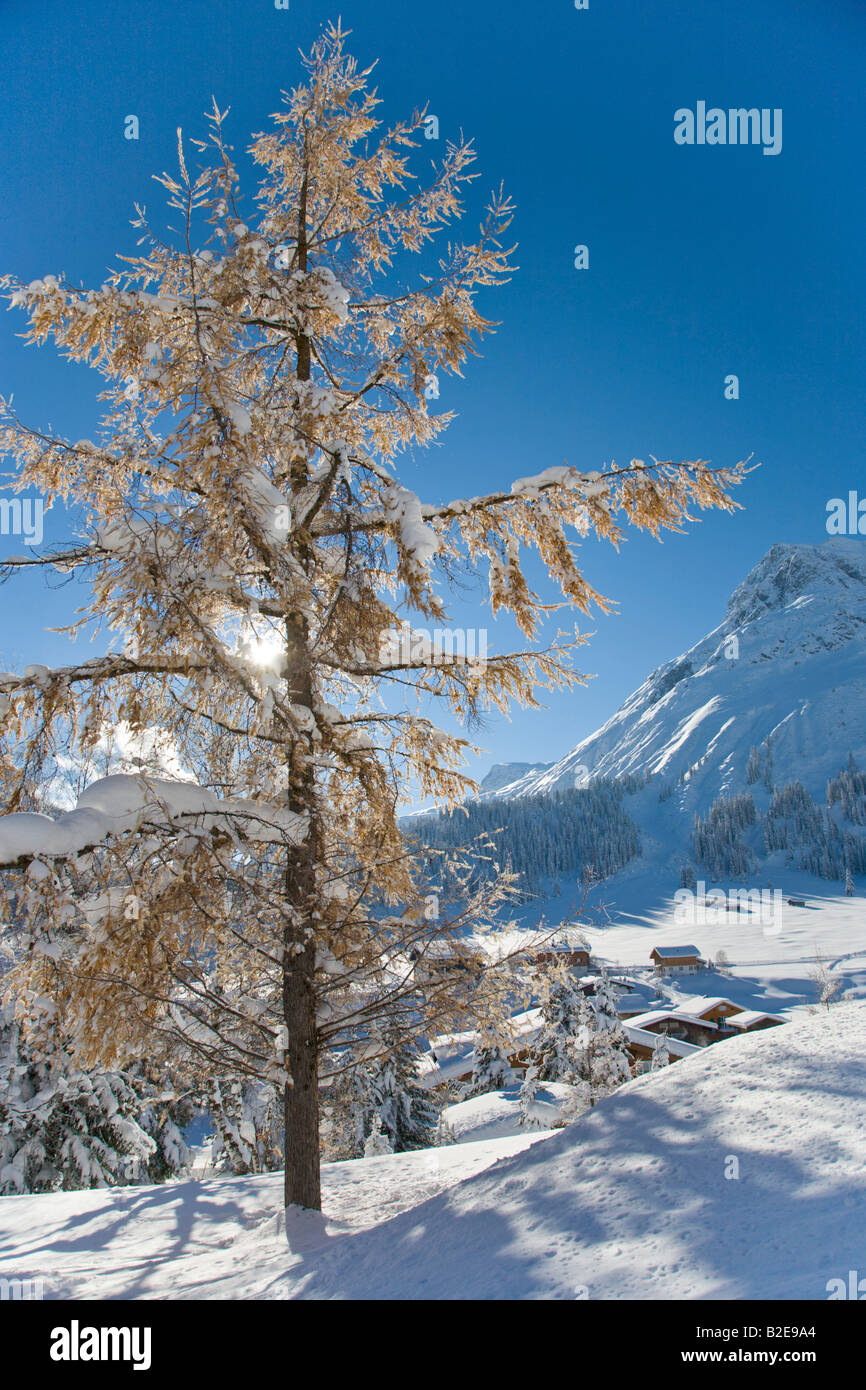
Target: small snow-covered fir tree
(661, 1054)
(528, 1092)
(491, 1070)
(63, 1128)
(581, 1043)
(604, 1058)
(564, 1011)
(247, 1117)
(849, 884)
(164, 1116)
(387, 1091)
(444, 1133)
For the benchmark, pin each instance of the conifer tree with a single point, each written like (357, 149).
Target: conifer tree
(247, 1117)
(65, 1128)
(565, 1012)
(377, 1141)
(603, 1057)
(528, 1092)
(491, 1069)
(262, 568)
(390, 1097)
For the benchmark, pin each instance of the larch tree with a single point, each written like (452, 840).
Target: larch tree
(261, 570)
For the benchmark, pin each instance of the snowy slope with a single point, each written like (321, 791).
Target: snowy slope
(220, 1237)
(788, 662)
(631, 1202)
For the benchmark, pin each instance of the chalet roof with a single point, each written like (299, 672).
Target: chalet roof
(658, 1016)
(434, 1071)
(748, 1016)
(637, 1002)
(702, 1003)
(669, 952)
(650, 1040)
(528, 940)
(452, 1055)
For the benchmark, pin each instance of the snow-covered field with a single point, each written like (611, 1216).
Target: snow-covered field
(769, 970)
(738, 1173)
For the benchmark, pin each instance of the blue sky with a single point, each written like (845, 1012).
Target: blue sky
(704, 261)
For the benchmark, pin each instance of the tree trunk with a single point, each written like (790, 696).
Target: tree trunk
(301, 1095)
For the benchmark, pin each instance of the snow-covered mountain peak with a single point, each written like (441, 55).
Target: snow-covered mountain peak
(788, 573)
(787, 663)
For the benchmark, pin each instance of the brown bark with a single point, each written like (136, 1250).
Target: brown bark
(301, 1094)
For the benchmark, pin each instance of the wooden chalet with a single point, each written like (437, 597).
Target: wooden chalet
(668, 960)
(713, 1009)
(700, 1032)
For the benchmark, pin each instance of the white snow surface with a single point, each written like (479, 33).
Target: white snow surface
(218, 1237)
(632, 1202)
(496, 1114)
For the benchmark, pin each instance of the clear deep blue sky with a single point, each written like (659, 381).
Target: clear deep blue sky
(704, 261)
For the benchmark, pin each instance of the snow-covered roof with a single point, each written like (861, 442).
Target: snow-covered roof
(749, 1016)
(659, 1015)
(447, 1043)
(451, 1055)
(638, 1003)
(526, 1023)
(498, 1113)
(448, 1057)
(666, 952)
(703, 1003)
(529, 939)
(676, 1048)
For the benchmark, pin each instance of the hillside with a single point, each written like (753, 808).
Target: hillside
(632, 1202)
